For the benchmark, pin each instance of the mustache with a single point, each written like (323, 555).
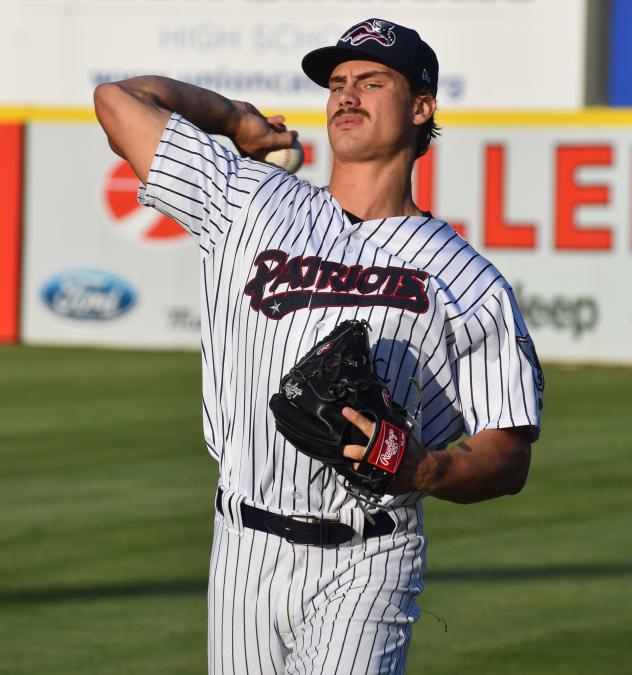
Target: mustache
(346, 111)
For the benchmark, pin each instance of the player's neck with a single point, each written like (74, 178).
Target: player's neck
(372, 191)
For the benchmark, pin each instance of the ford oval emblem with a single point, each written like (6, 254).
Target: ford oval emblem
(93, 295)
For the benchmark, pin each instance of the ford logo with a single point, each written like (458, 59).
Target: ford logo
(88, 294)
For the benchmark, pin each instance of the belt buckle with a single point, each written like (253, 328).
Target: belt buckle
(322, 523)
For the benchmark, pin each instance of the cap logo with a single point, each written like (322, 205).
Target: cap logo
(425, 77)
(374, 29)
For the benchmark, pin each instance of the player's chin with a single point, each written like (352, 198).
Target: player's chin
(351, 146)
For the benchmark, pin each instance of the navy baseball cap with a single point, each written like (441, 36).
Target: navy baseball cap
(382, 41)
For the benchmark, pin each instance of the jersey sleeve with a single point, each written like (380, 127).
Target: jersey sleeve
(198, 182)
(499, 379)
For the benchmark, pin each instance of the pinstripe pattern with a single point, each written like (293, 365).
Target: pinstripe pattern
(267, 239)
(276, 607)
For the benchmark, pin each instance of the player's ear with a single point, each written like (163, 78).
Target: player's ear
(423, 107)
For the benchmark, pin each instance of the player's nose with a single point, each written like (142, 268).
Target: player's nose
(348, 97)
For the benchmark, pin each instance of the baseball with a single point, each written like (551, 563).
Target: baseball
(290, 159)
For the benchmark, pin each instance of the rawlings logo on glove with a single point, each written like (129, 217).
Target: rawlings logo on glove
(388, 449)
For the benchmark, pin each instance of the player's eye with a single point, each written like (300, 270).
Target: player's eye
(336, 89)
(373, 85)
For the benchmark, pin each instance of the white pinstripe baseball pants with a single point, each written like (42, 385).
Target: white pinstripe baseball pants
(277, 607)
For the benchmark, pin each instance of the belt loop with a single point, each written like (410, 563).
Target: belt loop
(239, 522)
(226, 508)
(231, 508)
(396, 520)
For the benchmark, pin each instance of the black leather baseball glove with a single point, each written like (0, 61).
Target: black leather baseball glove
(339, 371)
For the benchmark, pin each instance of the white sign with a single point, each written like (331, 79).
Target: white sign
(492, 53)
(99, 268)
(549, 204)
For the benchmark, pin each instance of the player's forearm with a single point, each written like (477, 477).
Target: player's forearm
(207, 109)
(491, 464)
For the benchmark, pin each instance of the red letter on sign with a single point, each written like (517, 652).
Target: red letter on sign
(570, 195)
(499, 233)
(425, 188)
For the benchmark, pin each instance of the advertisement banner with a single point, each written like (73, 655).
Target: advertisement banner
(492, 53)
(550, 205)
(545, 197)
(99, 268)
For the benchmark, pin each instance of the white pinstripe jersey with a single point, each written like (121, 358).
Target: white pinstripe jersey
(282, 264)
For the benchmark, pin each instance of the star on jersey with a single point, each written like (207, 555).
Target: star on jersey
(313, 283)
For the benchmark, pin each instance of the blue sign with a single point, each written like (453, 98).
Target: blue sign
(93, 295)
(620, 79)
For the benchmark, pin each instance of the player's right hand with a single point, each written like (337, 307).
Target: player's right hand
(255, 135)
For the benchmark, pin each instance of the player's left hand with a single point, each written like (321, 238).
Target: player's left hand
(366, 427)
(410, 473)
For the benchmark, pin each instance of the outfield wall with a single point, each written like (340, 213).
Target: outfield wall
(546, 196)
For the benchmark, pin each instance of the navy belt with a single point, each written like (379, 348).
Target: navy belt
(308, 530)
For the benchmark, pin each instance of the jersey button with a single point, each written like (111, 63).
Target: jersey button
(356, 235)
(349, 250)
(297, 495)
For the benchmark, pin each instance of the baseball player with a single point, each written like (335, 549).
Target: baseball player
(301, 580)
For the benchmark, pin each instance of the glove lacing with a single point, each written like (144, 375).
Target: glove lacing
(329, 368)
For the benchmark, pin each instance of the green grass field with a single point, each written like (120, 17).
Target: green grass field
(105, 503)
